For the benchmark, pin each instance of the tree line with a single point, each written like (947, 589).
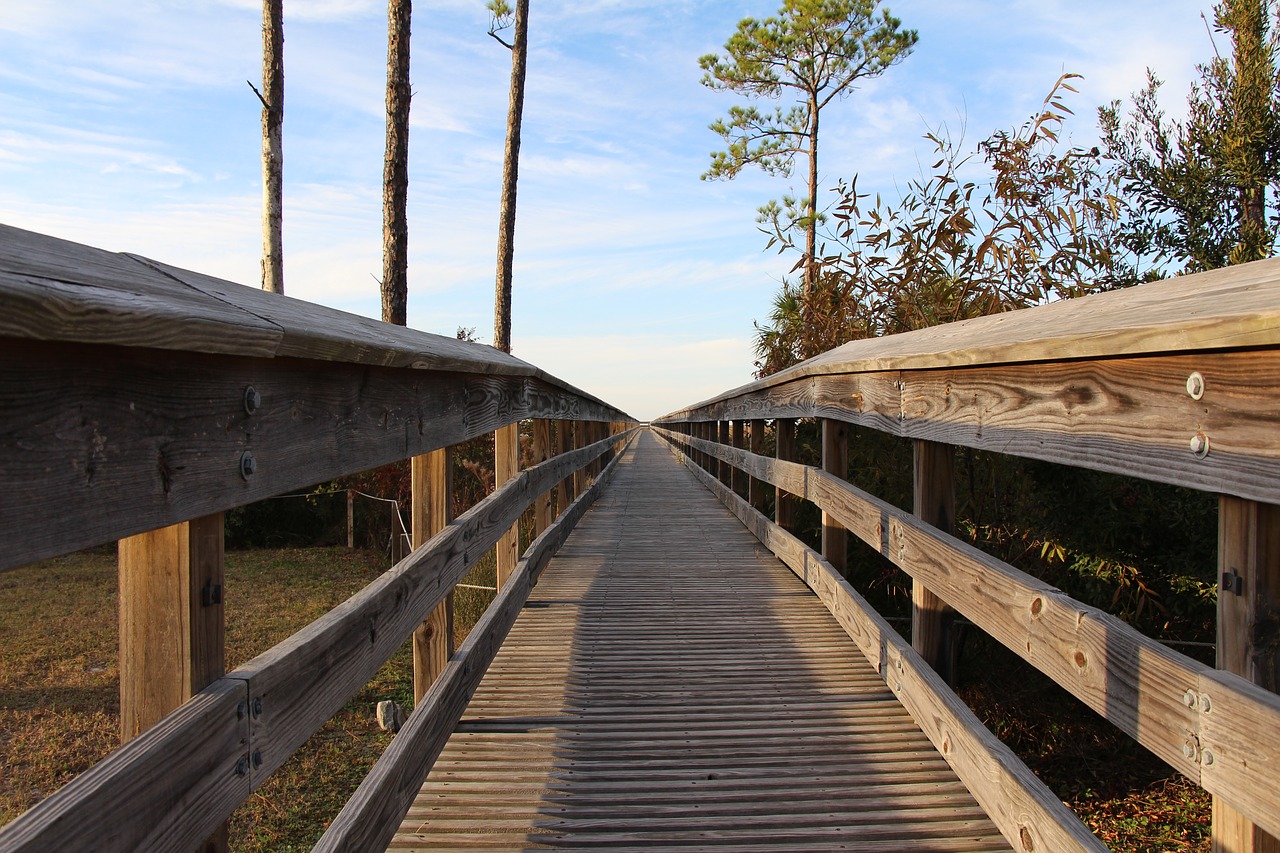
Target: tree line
(1021, 218)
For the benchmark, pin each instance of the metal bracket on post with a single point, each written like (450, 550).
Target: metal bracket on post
(1233, 581)
(211, 594)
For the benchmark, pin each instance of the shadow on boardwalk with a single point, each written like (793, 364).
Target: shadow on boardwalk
(672, 686)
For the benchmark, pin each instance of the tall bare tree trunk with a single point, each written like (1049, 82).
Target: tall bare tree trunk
(395, 171)
(510, 176)
(811, 204)
(272, 97)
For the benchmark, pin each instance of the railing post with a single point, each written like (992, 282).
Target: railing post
(431, 477)
(351, 519)
(1248, 598)
(784, 439)
(736, 475)
(506, 464)
(564, 443)
(172, 626)
(722, 437)
(835, 460)
(579, 442)
(755, 487)
(541, 453)
(935, 504)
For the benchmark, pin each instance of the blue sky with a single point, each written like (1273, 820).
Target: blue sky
(129, 126)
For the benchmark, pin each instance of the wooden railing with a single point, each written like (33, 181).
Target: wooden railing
(1172, 382)
(140, 402)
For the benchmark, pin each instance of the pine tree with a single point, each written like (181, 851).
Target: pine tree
(815, 51)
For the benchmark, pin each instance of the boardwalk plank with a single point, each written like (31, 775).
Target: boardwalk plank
(671, 686)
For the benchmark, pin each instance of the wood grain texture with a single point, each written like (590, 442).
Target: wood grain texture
(506, 464)
(301, 682)
(934, 503)
(1028, 814)
(171, 642)
(1133, 681)
(431, 482)
(670, 686)
(542, 513)
(1126, 415)
(370, 818)
(1238, 307)
(99, 443)
(56, 290)
(1248, 605)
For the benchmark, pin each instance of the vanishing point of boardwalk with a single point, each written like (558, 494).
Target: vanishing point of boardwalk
(672, 686)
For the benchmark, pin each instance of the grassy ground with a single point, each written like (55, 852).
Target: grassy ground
(59, 680)
(59, 705)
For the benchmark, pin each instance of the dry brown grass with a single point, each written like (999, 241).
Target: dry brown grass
(59, 679)
(59, 705)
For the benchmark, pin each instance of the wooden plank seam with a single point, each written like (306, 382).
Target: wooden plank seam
(1136, 683)
(370, 818)
(141, 796)
(1028, 814)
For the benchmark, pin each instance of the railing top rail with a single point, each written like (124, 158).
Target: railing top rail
(142, 395)
(60, 291)
(1233, 308)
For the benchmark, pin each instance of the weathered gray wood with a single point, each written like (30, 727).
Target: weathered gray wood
(301, 682)
(1237, 307)
(672, 687)
(1027, 813)
(104, 442)
(54, 290)
(370, 818)
(1128, 415)
(169, 788)
(1136, 683)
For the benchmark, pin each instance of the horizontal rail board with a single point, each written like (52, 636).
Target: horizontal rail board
(370, 818)
(805, 750)
(1135, 682)
(1233, 308)
(1126, 415)
(105, 442)
(56, 290)
(171, 787)
(306, 679)
(1027, 813)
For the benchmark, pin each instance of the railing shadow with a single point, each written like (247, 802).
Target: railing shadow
(708, 700)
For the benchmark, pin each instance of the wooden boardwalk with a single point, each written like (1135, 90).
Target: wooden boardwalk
(672, 686)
